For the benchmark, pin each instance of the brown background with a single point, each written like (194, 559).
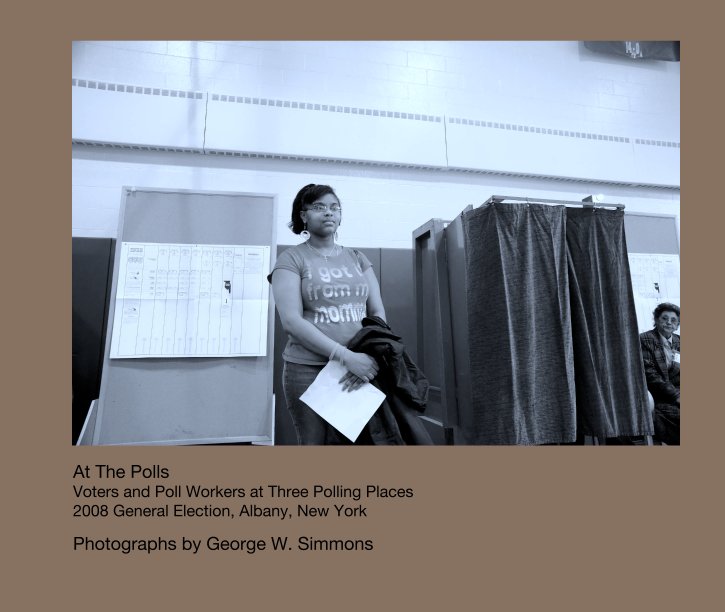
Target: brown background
(587, 528)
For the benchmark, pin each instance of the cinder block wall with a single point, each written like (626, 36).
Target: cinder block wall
(405, 131)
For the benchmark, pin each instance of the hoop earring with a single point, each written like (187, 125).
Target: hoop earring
(336, 238)
(304, 233)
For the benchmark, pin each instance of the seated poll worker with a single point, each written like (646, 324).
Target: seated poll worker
(661, 356)
(323, 291)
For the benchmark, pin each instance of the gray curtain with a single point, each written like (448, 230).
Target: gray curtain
(610, 383)
(520, 345)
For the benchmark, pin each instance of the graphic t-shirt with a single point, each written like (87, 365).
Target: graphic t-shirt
(334, 295)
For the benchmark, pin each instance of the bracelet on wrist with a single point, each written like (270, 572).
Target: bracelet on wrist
(338, 352)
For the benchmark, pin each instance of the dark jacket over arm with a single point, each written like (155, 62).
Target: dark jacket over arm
(404, 385)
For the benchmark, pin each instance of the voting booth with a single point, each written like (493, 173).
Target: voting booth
(443, 287)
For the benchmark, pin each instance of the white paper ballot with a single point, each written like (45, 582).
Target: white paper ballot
(346, 411)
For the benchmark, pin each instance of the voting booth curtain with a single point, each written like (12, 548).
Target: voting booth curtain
(610, 381)
(520, 344)
(553, 344)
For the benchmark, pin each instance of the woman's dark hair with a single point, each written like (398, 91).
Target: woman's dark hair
(307, 195)
(666, 307)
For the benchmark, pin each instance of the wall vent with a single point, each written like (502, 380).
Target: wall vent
(555, 132)
(259, 101)
(326, 108)
(657, 143)
(532, 129)
(138, 89)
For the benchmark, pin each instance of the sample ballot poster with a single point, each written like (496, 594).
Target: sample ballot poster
(655, 279)
(191, 300)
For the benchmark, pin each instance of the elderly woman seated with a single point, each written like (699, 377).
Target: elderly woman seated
(661, 356)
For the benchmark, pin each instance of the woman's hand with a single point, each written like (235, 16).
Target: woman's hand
(361, 369)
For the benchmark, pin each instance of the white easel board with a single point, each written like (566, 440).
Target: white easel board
(159, 398)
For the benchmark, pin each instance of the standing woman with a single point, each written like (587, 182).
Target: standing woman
(322, 291)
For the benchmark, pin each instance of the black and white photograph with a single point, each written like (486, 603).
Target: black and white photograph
(367, 242)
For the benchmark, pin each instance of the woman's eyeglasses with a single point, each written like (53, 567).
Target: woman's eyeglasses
(317, 207)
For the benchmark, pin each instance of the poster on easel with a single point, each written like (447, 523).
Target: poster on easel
(191, 300)
(655, 279)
